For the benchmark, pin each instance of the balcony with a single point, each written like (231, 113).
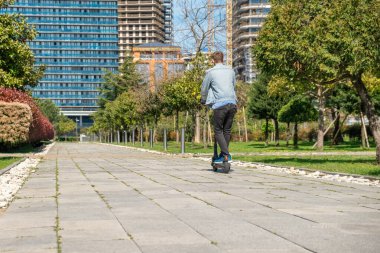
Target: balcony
(100, 64)
(114, 56)
(53, 96)
(76, 104)
(65, 80)
(65, 22)
(60, 88)
(70, 72)
(70, 6)
(64, 29)
(83, 47)
(50, 38)
(45, 13)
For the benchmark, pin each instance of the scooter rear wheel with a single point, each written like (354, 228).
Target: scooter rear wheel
(226, 167)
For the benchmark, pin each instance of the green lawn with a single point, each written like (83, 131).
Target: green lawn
(361, 165)
(246, 147)
(5, 161)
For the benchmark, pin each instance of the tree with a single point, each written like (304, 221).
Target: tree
(102, 121)
(201, 27)
(64, 125)
(291, 45)
(116, 83)
(149, 106)
(298, 110)
(49, 109)
(263, 105)
(123, 111)
(242, 91)
(342, 99)
(318, 43)
(182, 93)
(17, 68)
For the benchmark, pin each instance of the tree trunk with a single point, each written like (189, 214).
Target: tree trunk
(155, 127)
(197, 134)
(365, 142)
(185, 126)
(295, 136)
(374, 120)
(146, 132)
(205, 131)
(321, 120)
(266, 131)
(210, 139)
(362, 135)
(339, 130)
(288, 134)
(277, 133)
(177, 127)
(245, 125)
(239, 131)
(337, 135)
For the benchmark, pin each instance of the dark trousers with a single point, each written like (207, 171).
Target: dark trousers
(222, 120)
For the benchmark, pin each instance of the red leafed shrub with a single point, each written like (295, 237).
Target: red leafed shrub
(40, 129)
(15, 120)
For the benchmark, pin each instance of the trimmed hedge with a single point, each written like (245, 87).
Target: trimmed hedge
(40, 128)
(15, 120)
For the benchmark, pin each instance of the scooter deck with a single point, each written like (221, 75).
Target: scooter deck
(225, 166)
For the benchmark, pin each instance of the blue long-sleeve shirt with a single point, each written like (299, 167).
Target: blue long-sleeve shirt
(218, 87)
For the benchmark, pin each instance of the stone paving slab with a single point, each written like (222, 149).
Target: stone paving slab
(97, 198)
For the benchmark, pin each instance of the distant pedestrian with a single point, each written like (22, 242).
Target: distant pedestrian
(219, 93)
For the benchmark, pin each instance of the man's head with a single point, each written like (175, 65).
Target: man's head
(217, 57)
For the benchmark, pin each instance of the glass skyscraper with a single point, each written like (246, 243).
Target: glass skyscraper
(77, 41)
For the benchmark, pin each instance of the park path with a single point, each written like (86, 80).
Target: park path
(99, 198)
(268, 153)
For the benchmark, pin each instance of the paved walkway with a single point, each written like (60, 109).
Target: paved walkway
(97, 198)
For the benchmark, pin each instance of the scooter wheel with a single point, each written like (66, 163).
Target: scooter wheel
(214, 168)
(226, 167)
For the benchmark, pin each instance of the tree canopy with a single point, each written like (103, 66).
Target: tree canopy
(49, 109)
(298, 110)
(64, 125)
(262, 104)
(316, 44)
(115, 84)
(17, 68)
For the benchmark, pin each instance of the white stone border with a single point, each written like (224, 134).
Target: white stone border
(12, 180)
(329, 176)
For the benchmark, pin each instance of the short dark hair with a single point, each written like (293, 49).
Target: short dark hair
(217, 56)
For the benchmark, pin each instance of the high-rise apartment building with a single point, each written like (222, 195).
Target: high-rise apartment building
(77, 41)
(248, 17)
(168, 13)
(143, 21)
